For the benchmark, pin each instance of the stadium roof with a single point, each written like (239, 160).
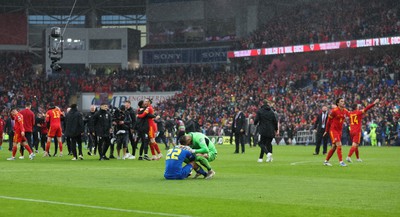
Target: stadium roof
(63, 7)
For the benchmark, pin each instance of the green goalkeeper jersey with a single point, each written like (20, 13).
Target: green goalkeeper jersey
(202, 144)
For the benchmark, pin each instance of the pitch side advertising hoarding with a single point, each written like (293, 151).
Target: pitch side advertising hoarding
(184, 56)
(118, 98)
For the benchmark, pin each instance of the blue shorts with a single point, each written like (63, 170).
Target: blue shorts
(183, 174)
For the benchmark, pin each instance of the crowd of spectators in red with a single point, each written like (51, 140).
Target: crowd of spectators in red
(20, 83)
(327, 21)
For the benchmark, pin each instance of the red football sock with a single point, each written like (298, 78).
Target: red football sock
(60, 146)
(339, 153)
(357, 154)
(153, 152)
(47, 147)
(330, 153)
(14, 150)
(352, 149)
(28, 148)
(157, 148)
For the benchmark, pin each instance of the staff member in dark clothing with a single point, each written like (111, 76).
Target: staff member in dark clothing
(132, 115)
(9, 129)
(319, 128)
(74, 129)
(161, 131)
(91, 132)
(267, 127)
(103, 126)
(238, 129)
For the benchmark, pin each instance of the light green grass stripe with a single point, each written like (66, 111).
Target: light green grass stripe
(92, 207)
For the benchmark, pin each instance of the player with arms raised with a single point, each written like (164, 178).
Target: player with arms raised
(355, 128)
(334, 127)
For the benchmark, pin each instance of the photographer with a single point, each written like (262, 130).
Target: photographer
(122, 121)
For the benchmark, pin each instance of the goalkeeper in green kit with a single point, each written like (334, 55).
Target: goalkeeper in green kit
(204, 149)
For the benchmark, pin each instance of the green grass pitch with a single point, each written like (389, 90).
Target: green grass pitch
(294, 184)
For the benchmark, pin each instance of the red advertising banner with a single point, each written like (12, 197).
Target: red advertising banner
(372, 42)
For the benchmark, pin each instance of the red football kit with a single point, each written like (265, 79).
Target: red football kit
(152, 130)
(19, 128)
(152, 124)
(2, 124)
(53, 116)
(335, 123)
(356, 123)
(18, 138)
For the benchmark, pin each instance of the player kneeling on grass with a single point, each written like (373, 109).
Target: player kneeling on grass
(203, 148)
(174, 159)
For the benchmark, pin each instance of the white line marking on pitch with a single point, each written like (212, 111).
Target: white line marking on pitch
(93, 207)
(301, 162)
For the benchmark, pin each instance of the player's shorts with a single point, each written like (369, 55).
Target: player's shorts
(18, 138)
(335, 136)
(355, 137)
(152, 132)
(184, 173)
(54, 131)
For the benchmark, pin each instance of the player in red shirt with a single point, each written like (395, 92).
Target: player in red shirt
(19, 135)
(355, 128)
(2, 124)
(334, 127)
(152, 129)
(29, 122)
(53, 119)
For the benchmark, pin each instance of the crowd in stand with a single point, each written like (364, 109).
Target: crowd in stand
(19, 83)
(327, 21)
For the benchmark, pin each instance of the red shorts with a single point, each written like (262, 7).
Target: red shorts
(152, 132)
(335, 136)
(54, 131)
(355, 137)
(18, 138)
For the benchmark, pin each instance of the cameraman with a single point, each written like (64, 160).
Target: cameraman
(122, 123)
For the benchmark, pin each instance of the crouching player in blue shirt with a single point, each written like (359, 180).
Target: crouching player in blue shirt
(174, 159)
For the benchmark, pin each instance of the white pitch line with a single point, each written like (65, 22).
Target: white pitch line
(301, 162)
(93, 207)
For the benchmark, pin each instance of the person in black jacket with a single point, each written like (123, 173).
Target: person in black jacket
(161, 131)
(267, 127)
(122, 128)
(74, 129)
(142, 127)
(91, 132)
(103, 126)
(132, 115)
(9, 129)
(238, 129)
(319, 128)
